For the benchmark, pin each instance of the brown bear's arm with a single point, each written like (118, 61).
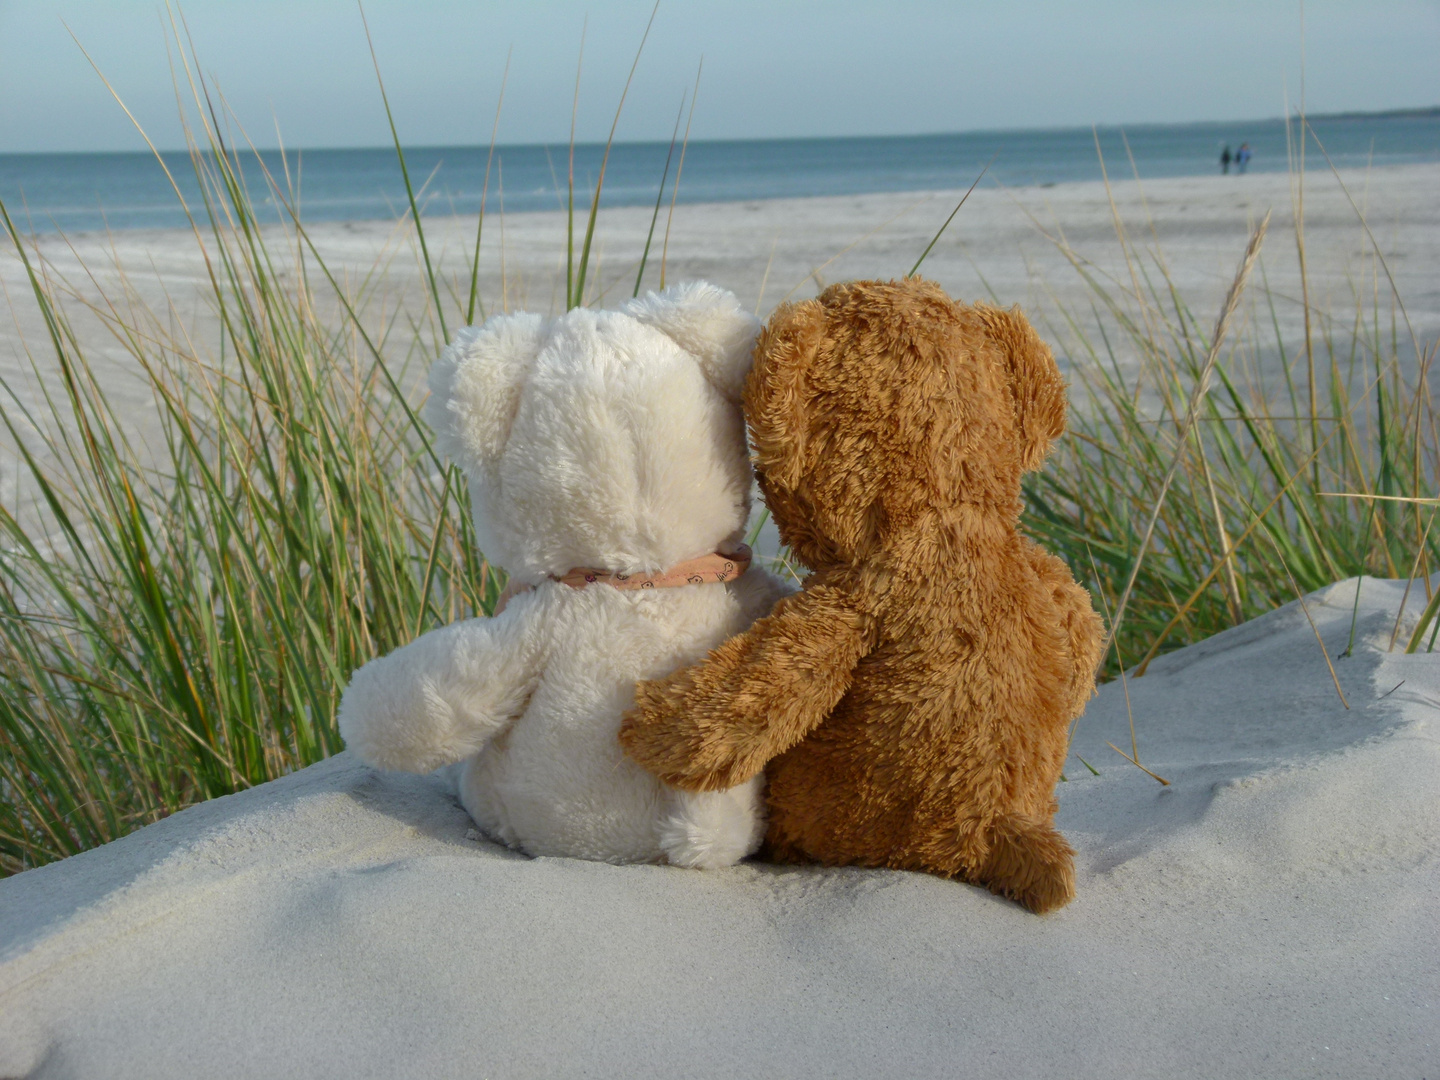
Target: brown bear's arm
(716, 724)
(1083, 628)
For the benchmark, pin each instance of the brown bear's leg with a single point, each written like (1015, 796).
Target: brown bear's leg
(779, 850)
(1029, 862)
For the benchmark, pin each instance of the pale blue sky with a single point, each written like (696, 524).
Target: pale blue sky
(776, 68)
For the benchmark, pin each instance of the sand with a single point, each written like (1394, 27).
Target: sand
(1006, 245)
(1000, 247)
(1272, 912)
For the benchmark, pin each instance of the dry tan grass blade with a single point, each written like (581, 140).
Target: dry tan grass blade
(1197, 397)
(1323, 651)
(1409, 581)
(1142, 768)
(1134, 756)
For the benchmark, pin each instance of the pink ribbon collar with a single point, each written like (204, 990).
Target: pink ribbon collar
(714, 569)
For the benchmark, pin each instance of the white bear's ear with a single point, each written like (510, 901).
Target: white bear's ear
(707, 322)
(475, 386)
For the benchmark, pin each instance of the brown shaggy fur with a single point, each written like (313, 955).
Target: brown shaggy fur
(910, 706)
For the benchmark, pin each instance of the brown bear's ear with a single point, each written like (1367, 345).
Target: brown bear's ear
(775, 390)
(1036, 388)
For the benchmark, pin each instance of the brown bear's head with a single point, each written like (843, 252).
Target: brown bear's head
(879, 400)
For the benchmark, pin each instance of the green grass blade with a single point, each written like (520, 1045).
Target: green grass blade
(405, 174)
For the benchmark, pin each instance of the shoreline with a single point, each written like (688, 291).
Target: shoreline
(363, 182)
(1194, 219)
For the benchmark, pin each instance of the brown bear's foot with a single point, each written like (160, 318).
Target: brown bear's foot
(1029, 862)
(782, 851)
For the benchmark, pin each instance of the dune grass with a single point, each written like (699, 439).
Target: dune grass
(178, 624)
(177, 621)
(1269, 498)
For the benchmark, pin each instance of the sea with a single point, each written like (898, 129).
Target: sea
(85, 192)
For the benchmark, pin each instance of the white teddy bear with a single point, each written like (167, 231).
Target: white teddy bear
(604, 447)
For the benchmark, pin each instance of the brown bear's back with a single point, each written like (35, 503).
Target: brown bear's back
(962, 709)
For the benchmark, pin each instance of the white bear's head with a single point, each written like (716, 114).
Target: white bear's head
(604, 439)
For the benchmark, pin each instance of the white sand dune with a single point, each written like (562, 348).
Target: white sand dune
(1273, 912)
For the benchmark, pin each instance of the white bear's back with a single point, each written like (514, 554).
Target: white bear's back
(556, 782)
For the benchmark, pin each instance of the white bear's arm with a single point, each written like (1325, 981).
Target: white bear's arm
(446, 694)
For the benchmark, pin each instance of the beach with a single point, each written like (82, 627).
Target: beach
(1006, 246)
(1051, 249)
(1256, 890)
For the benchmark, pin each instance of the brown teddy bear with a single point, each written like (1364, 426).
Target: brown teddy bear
(911, 704)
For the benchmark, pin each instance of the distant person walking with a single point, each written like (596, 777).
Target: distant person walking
(1242, 157)
(1225, 160)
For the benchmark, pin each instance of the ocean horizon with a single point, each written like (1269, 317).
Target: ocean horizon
(81, 192)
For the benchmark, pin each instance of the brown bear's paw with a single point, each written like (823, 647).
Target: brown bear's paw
(673, 750)
(1029, 862)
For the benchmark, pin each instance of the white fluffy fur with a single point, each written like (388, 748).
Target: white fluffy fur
(710, 324)
(609, 439)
